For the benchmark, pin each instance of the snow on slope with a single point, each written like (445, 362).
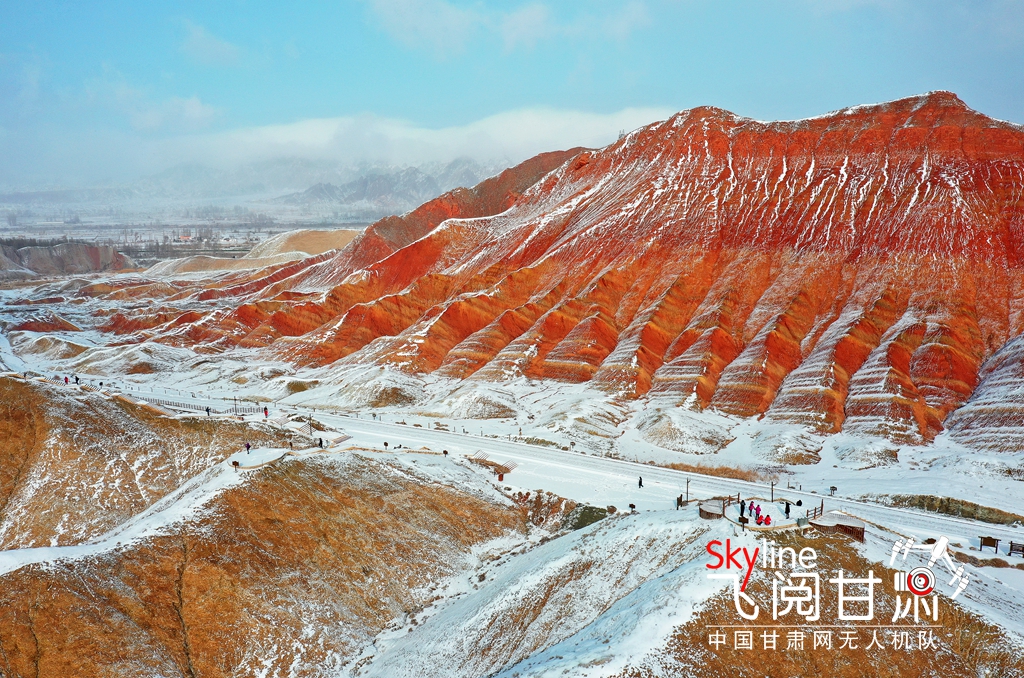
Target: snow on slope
(591, 602)
(77, 463)
(598, 578)
(182, 505)
(851, 271)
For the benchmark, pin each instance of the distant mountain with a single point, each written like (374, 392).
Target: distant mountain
(388, 192)
(318, 187)
(264, 179)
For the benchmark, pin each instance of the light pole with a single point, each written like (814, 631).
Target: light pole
(773, 491)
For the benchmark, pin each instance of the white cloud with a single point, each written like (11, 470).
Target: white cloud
(174, 113)
(204, 48)
(165, 133)
(22, 78)
(621, 25)
(511, 136)
(114, 93)
(526, 26)
(444, 28)
(436, 25)
(28, 94)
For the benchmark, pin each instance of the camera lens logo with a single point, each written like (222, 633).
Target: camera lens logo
(920, 581)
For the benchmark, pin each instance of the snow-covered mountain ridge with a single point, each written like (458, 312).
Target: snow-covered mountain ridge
(858, 272)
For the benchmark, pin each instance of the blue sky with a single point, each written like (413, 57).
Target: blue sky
(101, 92)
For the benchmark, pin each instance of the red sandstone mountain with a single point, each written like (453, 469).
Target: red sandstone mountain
(857, 271)
(61, 259)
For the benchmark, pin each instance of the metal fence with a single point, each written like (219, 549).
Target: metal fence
(177, 405)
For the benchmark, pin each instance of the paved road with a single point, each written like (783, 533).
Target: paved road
(603, 480)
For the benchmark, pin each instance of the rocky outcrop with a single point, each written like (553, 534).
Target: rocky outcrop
(62, 259)
(854, 271)
(46, 321)
(11, 268)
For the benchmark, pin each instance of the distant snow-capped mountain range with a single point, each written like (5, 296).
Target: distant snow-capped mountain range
(349, 192)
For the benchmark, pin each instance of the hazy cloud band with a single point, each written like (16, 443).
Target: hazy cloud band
(59, 158)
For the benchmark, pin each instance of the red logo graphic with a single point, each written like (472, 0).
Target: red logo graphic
(730, 558)
(920, 581)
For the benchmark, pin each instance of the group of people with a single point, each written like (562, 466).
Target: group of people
(755, 513)
(67, 380)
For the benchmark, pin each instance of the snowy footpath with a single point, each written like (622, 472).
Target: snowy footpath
(650, 563)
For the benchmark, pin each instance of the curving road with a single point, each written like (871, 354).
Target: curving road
(604, 480)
